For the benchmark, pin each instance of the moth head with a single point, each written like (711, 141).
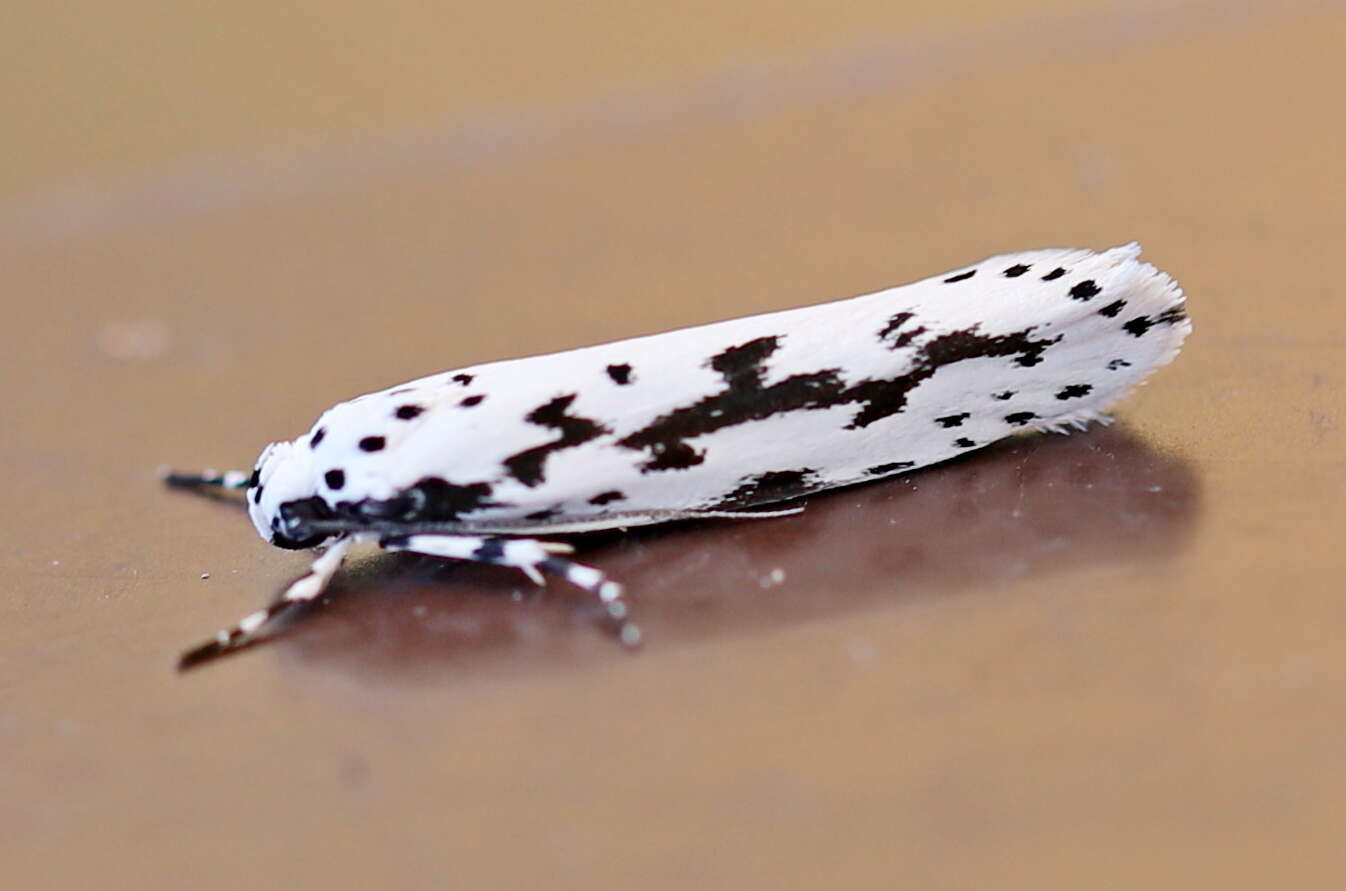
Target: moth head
(283, 498)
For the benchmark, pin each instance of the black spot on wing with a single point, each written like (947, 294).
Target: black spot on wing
(1138, 326)
(1016, 270)
(527, 466)
(953, 420)
(1019, 418)
(373, 444)
(905, 337)
(891, 467)
(745, 398)
(620, 374)
(960, 277)
(1074, 391)
(256, 477)
(1085, 290)
(897, 321)
(317, 437)
(335, 479)
(1116, 364)
(775, 485)
(407, 412)
(1054, 274)
(1003, 395)
(472, 400)
(1112, 308)
(463, 379)
(1142, 324)
(608, 497)
(964, 443)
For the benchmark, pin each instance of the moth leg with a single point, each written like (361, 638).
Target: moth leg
(533, 558)
(304, 589)
(229, 479)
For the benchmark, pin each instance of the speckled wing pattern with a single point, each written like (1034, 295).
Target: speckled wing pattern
(713, 421)
(752, 411)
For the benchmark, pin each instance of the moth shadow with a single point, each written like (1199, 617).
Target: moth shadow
(1027, 507)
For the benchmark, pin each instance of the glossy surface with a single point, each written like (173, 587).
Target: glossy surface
(1105, 660)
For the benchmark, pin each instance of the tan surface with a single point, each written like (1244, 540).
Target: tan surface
(1110, 660)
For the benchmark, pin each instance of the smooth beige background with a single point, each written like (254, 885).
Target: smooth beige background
(1105, 660)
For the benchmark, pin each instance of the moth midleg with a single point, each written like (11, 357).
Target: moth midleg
(530, 556)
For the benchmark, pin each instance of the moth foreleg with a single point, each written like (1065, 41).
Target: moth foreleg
(229, 479)
(304, 589)
(530, 556)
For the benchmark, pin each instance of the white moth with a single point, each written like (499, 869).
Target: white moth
(707, 422)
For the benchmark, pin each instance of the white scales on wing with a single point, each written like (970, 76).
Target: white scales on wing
(713, 421)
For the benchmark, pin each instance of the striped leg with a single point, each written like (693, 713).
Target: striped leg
(530, 556)
(304, 589)
(229, 479)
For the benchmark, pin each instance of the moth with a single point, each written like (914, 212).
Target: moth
(716, 421)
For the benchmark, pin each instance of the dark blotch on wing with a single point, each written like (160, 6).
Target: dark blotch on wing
(1085, 290)
(527, 466)
(1140, 325)
(904, 338)
(891, 467)
(745, 398)
(764, 488)
(1074, 391)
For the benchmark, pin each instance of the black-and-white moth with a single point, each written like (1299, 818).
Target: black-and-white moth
(707, 422)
